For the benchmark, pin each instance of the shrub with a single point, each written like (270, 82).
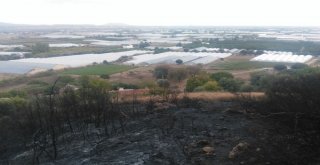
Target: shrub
(211, 86)
(196, 81)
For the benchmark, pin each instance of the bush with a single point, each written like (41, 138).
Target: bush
(211, 86)
(199, 89)
(196, 81)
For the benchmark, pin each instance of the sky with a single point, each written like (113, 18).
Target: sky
(163, 12)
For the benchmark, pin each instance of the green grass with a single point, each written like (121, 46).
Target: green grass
(99, 69)
(244, 65)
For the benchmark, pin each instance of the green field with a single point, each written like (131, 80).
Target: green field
(99, 69)
(244, 65)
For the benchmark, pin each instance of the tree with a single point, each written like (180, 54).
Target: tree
(231, 85)
(144, 44)
(261, 80)
(161, 72)
(246, 88)
(177, 74)
(160, 50)
(280, 67)
(219, 75)
(179, 44)
(163, 83)
(40, 48)
(105, 62)
(193, 70)
(179, 61)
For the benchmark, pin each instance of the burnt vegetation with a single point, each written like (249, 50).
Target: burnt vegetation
(281, 128)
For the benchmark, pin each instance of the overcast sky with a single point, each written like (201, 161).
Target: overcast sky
(163, 12)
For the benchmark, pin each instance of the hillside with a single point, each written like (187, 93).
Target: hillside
(170, 135)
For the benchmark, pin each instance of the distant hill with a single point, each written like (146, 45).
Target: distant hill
(116, 24)
(10, 27)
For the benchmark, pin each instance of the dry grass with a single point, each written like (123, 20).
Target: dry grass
(219, 96)
(206, 96)
(5, 76)
(136, 76)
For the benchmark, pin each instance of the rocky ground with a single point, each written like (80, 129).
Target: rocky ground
(214, 134)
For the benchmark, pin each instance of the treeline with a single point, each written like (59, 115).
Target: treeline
(39, 123)
(198, 80)
(9, 57)
(299, 47)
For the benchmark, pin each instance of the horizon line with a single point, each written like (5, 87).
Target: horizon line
(134, 25)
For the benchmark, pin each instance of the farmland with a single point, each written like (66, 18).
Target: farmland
(102, 69)
(82, 59)
(243, 65)
(189, 89)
